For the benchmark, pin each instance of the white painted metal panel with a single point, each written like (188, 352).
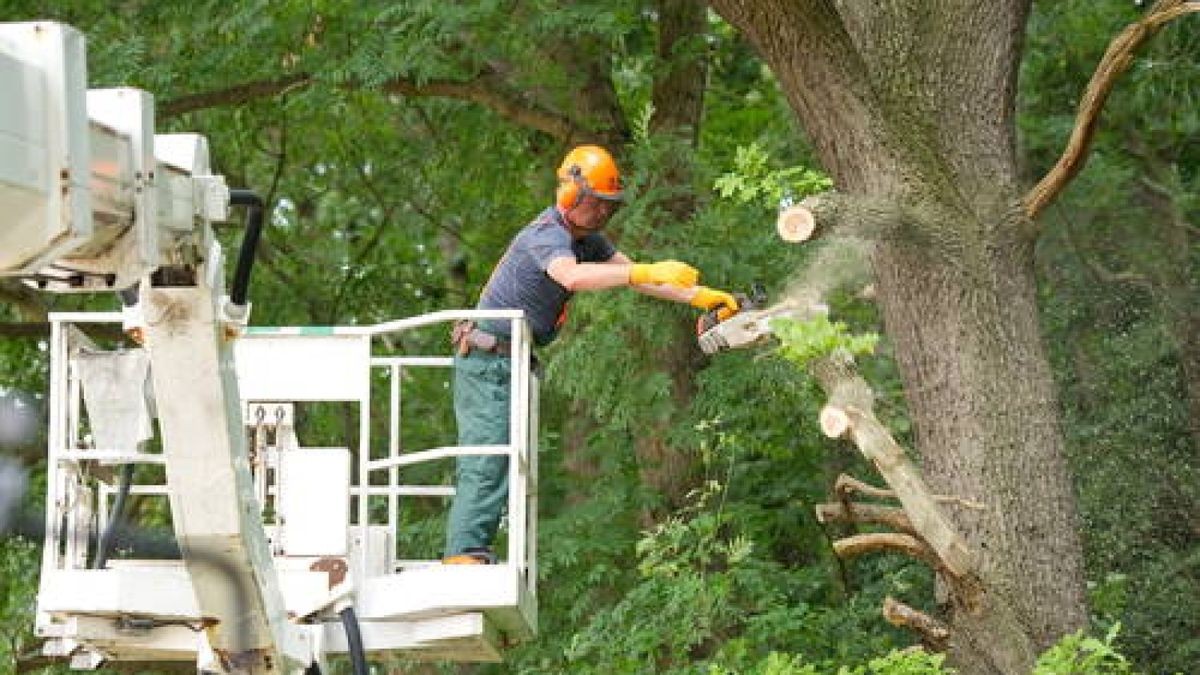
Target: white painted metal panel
(302, 367)
(161, 590)
(448, 589)
(131, 113)
(163, 643)
(304, 591)
(462, 637)
(44, 191)
(314, 500)
(380, 546)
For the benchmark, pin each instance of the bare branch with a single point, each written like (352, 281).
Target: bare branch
(237, 94)
(933, 632)
(850, 512)
(477, 91)
(875, 442)
(887, 542)
(1116, 60)
(836, 214)
(848, 485)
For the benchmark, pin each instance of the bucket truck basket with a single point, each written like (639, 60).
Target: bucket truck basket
(331, 515)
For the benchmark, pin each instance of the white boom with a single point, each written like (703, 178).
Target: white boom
(276, 540)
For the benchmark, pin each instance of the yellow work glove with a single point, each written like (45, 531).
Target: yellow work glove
(670, 272)
(710, 298)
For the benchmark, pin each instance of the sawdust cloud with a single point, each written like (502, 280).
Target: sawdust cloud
(837, 264)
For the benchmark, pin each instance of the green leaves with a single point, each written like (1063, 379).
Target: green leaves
(752, 180)
(1080, 654)
(803, 341)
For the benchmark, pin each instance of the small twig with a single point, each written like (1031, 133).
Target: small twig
(849, 485)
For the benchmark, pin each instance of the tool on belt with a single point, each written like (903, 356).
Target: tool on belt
(466, 335)
(751, 325)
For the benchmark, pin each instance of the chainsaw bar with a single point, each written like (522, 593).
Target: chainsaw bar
(752, 327)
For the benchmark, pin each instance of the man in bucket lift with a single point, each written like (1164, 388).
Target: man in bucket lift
(562, 251)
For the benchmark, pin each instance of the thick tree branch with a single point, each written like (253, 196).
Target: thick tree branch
(835, 214)
(1113, 64)
(887, 542)
(502, 103)
(235, 95)
(478, 91)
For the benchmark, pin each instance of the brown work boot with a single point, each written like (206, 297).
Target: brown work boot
(471, 556)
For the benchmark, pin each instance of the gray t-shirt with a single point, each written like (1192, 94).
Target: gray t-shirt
(520, 281)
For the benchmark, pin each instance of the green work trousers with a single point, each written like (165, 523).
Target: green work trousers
(481, 408)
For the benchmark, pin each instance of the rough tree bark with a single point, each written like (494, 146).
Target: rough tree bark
(910, 106)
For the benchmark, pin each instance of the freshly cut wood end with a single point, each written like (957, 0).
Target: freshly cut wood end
(834, 421)
(795, 224)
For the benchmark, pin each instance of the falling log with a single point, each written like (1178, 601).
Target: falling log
(851, 396)
(834, 421)
(877, 444)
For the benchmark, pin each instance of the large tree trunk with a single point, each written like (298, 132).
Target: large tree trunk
(910, 107)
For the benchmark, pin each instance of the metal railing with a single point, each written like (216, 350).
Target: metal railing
(65, 451)
(521, 448)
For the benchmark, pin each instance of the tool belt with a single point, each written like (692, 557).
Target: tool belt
(466, 336)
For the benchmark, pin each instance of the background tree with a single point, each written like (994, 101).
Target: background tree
(911, 108)
(1118, 271)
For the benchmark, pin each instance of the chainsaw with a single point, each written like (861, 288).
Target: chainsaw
(751, 325)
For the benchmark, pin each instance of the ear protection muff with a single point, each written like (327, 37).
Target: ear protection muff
(571, 188)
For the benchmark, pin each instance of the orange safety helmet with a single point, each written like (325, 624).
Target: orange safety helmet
(588, 170)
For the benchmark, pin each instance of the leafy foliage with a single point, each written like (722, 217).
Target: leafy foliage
(753, 180)
(803, 341)
(17, 594)
(1078, 653)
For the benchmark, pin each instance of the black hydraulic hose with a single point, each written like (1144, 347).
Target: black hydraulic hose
(254, 224)
(129, 296)
(358, 657)
(104, 545)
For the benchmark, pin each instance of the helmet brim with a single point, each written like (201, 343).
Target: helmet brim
(618, 197)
